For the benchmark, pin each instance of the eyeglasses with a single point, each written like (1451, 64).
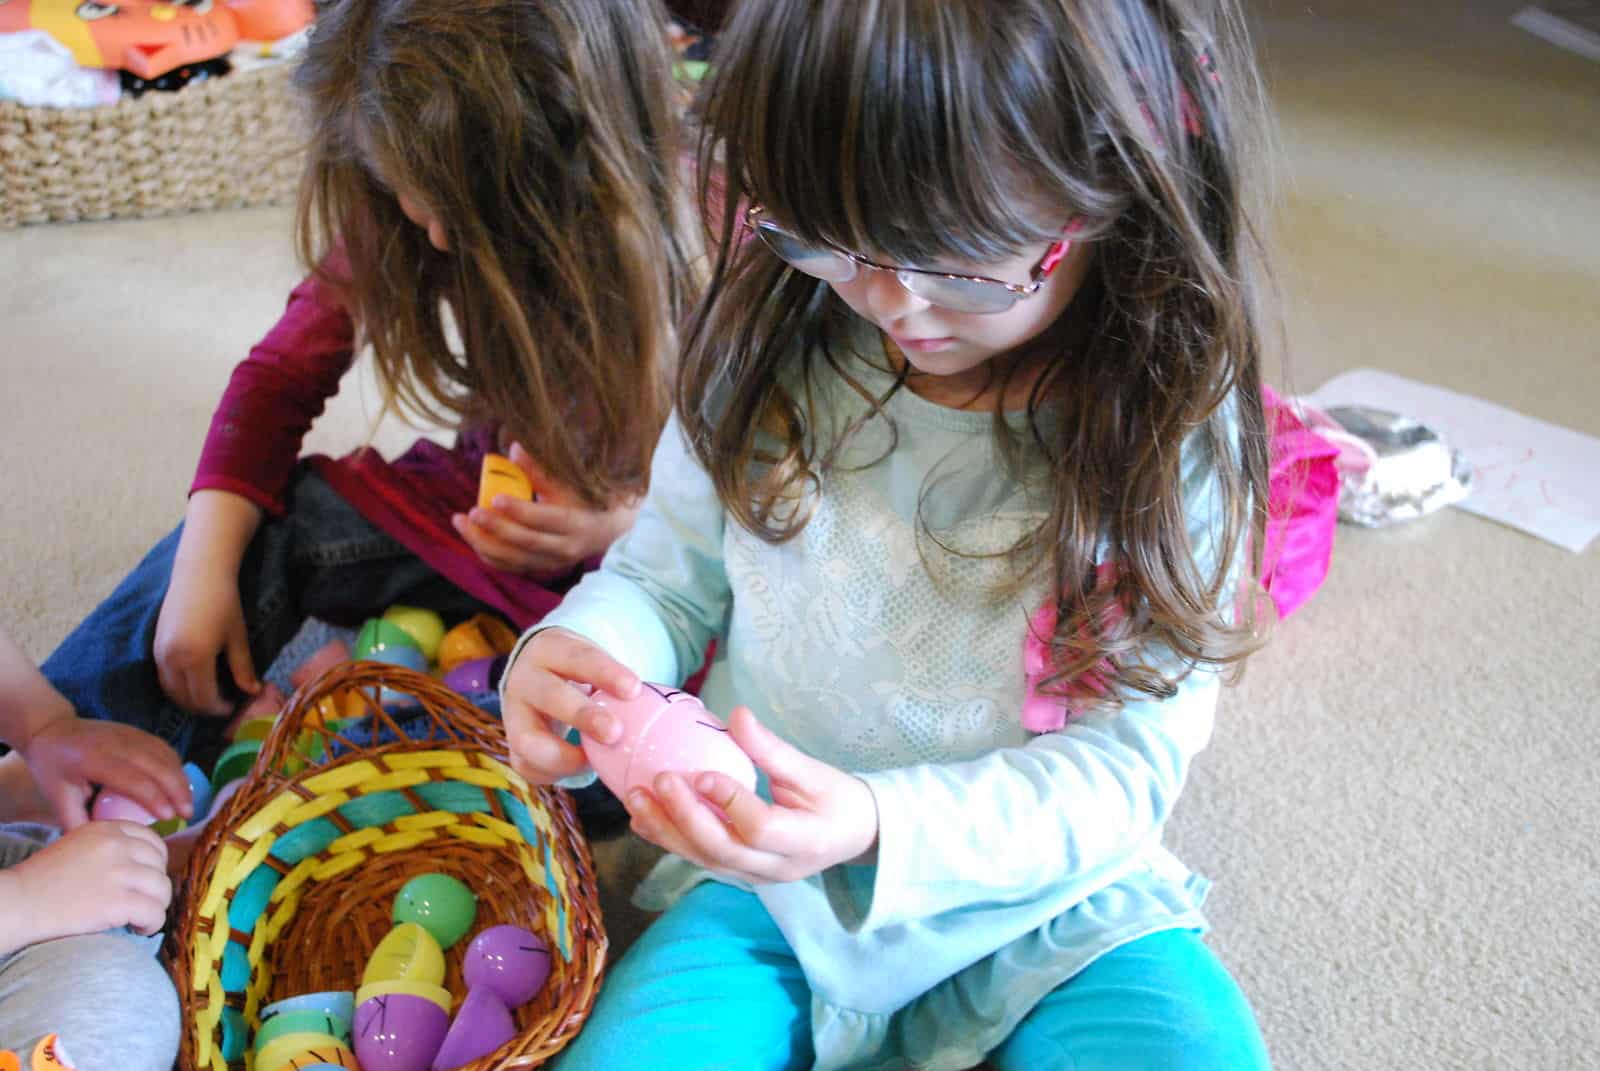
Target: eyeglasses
(958, 293)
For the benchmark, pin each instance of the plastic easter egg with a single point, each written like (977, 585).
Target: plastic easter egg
(480, 636)
(408, 952)
(443, 905)
(336, 1056)
(508, 960)
(234, 1034)
(399, 1033)
(283, 1048)
(335, 708)
(301, 1021)
(234, 762)
(112, 807)
(424, 626)
(308, 748)
(482, 1025)
(169, 827)
(471, 678)
(254, 729)
(410, 658)
(200, 791)
(436, 993)
(339, 1003)
(378, 635)
(664, 729)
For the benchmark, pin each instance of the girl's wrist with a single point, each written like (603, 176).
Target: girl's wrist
(46, 711)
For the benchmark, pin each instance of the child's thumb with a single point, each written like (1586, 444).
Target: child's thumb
(782, 761)
(70, 806)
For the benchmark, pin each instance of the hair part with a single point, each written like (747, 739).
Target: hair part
(543, 135)
(926, 128)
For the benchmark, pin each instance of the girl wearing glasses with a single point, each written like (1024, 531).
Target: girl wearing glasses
(960, 479)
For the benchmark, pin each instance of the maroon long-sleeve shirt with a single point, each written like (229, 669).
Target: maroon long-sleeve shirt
(270, 403)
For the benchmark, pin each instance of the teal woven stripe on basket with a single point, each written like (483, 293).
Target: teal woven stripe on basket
(305, 840)
(561, 901)
(457, 797)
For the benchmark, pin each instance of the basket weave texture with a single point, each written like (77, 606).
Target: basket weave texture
(226, 142)
(327, 828)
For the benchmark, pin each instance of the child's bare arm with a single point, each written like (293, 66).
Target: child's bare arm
(201, 616)
(27, 701)
(69, 756)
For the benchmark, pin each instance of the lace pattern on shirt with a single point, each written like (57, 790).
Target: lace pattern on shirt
(870, 655)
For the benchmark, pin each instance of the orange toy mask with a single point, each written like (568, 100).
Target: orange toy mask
(152, 37)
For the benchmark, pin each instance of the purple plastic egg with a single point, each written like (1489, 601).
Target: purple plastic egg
(508, 960)
(398, 1032)
(483, 1024)
(471, 678)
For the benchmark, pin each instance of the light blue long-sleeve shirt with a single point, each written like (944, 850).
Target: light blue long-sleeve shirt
(1006, 861)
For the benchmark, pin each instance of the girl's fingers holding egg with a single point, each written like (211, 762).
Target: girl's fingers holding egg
(708, 838)
(748, 814)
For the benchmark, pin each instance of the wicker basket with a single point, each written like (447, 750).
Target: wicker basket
(225, 142)
(335, 840)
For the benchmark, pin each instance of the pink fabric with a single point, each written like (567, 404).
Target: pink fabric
(1302, 507)
(1302, 512)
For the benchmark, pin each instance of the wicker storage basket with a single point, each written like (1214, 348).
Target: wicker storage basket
(225, 142)
(326, 846)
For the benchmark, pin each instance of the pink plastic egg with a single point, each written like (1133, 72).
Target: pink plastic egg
(398, 1032)
(664, 729)
(110, 807)
(508, 960)
(483, 1024)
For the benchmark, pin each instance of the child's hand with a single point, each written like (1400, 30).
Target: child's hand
(541, 702)
(99, 876)
(71, 755)
(202, 618)
(819, 816)
(548, 537)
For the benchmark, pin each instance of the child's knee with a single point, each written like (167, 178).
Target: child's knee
(105, 995)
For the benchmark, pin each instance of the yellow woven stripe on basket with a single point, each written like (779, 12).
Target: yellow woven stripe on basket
(426, 820)
(279, 919)
(481, 778)
(205, 1029)
(227, 862)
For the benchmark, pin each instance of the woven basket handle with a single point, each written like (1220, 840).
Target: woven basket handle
(381, 696)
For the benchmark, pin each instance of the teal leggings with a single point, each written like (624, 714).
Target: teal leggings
(713, 985)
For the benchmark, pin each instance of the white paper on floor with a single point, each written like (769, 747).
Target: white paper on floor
(1532, 475)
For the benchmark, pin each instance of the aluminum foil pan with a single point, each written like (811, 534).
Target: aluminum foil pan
(1410, 470)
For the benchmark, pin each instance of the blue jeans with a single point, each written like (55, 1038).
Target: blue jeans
(321, 559)
(713, 984)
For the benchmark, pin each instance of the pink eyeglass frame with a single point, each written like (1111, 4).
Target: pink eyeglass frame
(1041, 271)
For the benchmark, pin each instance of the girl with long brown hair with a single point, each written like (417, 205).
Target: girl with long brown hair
(967, 455)
(493, 203)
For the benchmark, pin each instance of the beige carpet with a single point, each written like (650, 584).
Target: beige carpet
(1400, 806)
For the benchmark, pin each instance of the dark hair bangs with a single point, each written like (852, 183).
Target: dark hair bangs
(885, 132)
